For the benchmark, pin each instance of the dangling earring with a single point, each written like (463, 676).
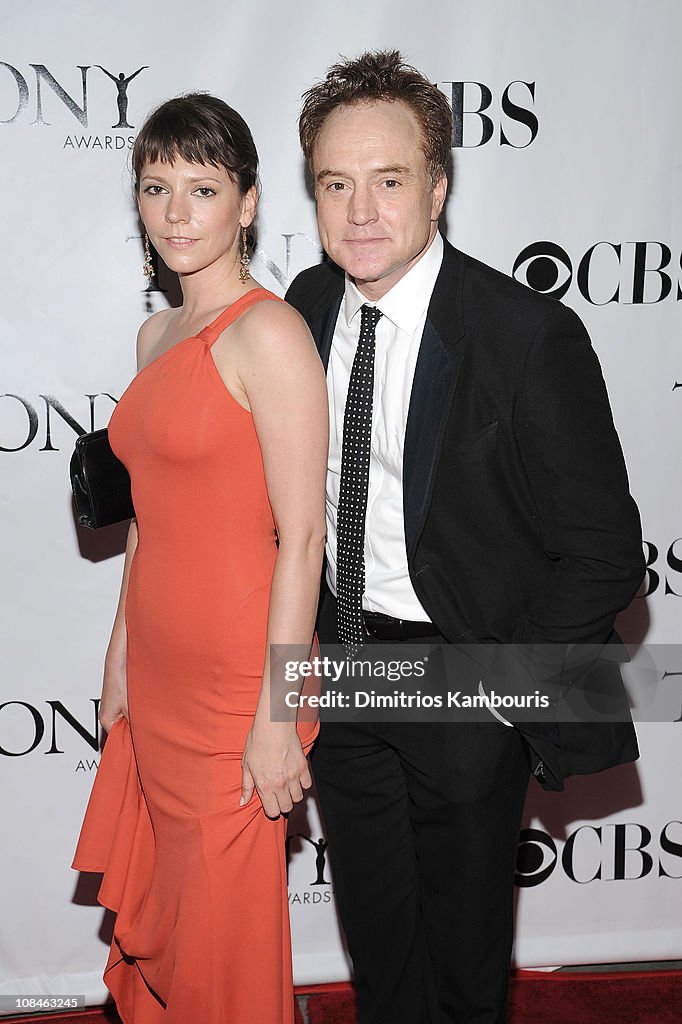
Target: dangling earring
(148, 266)
(245, 259)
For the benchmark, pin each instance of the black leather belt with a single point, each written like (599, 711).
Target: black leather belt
(386, 627)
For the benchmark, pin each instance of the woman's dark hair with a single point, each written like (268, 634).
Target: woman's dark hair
(201, 129)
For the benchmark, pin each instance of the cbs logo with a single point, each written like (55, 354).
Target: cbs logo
(657, 573)
(622, 852)
(476, 121)
(630, 273)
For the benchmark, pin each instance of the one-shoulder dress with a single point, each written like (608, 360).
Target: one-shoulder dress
(198, 882)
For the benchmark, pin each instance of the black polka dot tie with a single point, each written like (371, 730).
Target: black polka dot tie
(353, 486)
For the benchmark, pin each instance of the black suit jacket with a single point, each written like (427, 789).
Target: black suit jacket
(519, 525)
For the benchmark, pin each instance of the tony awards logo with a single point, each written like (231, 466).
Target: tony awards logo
(50, 728)
(46, 99)
(24, 421)
(122, 83)
(308, 895)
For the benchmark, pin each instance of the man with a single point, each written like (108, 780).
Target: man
(476, 493)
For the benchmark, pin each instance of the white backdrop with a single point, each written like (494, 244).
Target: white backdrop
(577, 187)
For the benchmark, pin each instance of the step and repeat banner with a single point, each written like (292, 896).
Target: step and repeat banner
(567, 174)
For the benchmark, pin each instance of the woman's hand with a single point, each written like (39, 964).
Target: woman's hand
(114, 703)
(275, 766)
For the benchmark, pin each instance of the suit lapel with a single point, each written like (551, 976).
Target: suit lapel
(433, 389)
(319, 302)
(323, 331)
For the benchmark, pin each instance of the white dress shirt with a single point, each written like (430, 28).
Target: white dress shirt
(388, 587)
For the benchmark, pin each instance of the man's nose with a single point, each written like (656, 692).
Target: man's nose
(362, 207)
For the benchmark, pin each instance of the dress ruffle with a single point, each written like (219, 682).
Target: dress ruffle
(116, 838)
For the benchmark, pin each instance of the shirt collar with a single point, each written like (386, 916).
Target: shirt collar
(404, 305)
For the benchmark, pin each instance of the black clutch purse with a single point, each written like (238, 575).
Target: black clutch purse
(100, 482)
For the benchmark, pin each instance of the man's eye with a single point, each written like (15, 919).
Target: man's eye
(337, 186)
(391, 183)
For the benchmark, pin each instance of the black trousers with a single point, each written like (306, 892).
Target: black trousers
(423, 821)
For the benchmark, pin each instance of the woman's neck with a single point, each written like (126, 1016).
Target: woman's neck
(210, 289)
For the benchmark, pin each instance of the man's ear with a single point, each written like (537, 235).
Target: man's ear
(440, 190)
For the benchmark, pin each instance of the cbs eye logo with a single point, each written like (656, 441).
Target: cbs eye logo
(535, 859)
(630, 273)
(545, 267)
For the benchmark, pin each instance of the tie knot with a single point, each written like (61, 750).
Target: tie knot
(370, 317)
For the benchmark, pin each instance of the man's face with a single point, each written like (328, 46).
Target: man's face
(377, 208)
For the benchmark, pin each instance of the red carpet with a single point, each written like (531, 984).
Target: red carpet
(618, 997)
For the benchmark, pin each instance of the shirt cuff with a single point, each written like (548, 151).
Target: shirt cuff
(492, 710)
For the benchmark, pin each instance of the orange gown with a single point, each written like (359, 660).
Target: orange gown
(198, 882)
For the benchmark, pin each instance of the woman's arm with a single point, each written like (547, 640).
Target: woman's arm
(114, 702)
(283, 381)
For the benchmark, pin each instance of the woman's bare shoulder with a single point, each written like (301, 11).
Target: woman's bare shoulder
(150, 332)
(273, 324)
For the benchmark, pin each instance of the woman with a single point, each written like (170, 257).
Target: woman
(224, 433)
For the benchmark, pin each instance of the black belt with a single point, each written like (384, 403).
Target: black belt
(386, 627)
